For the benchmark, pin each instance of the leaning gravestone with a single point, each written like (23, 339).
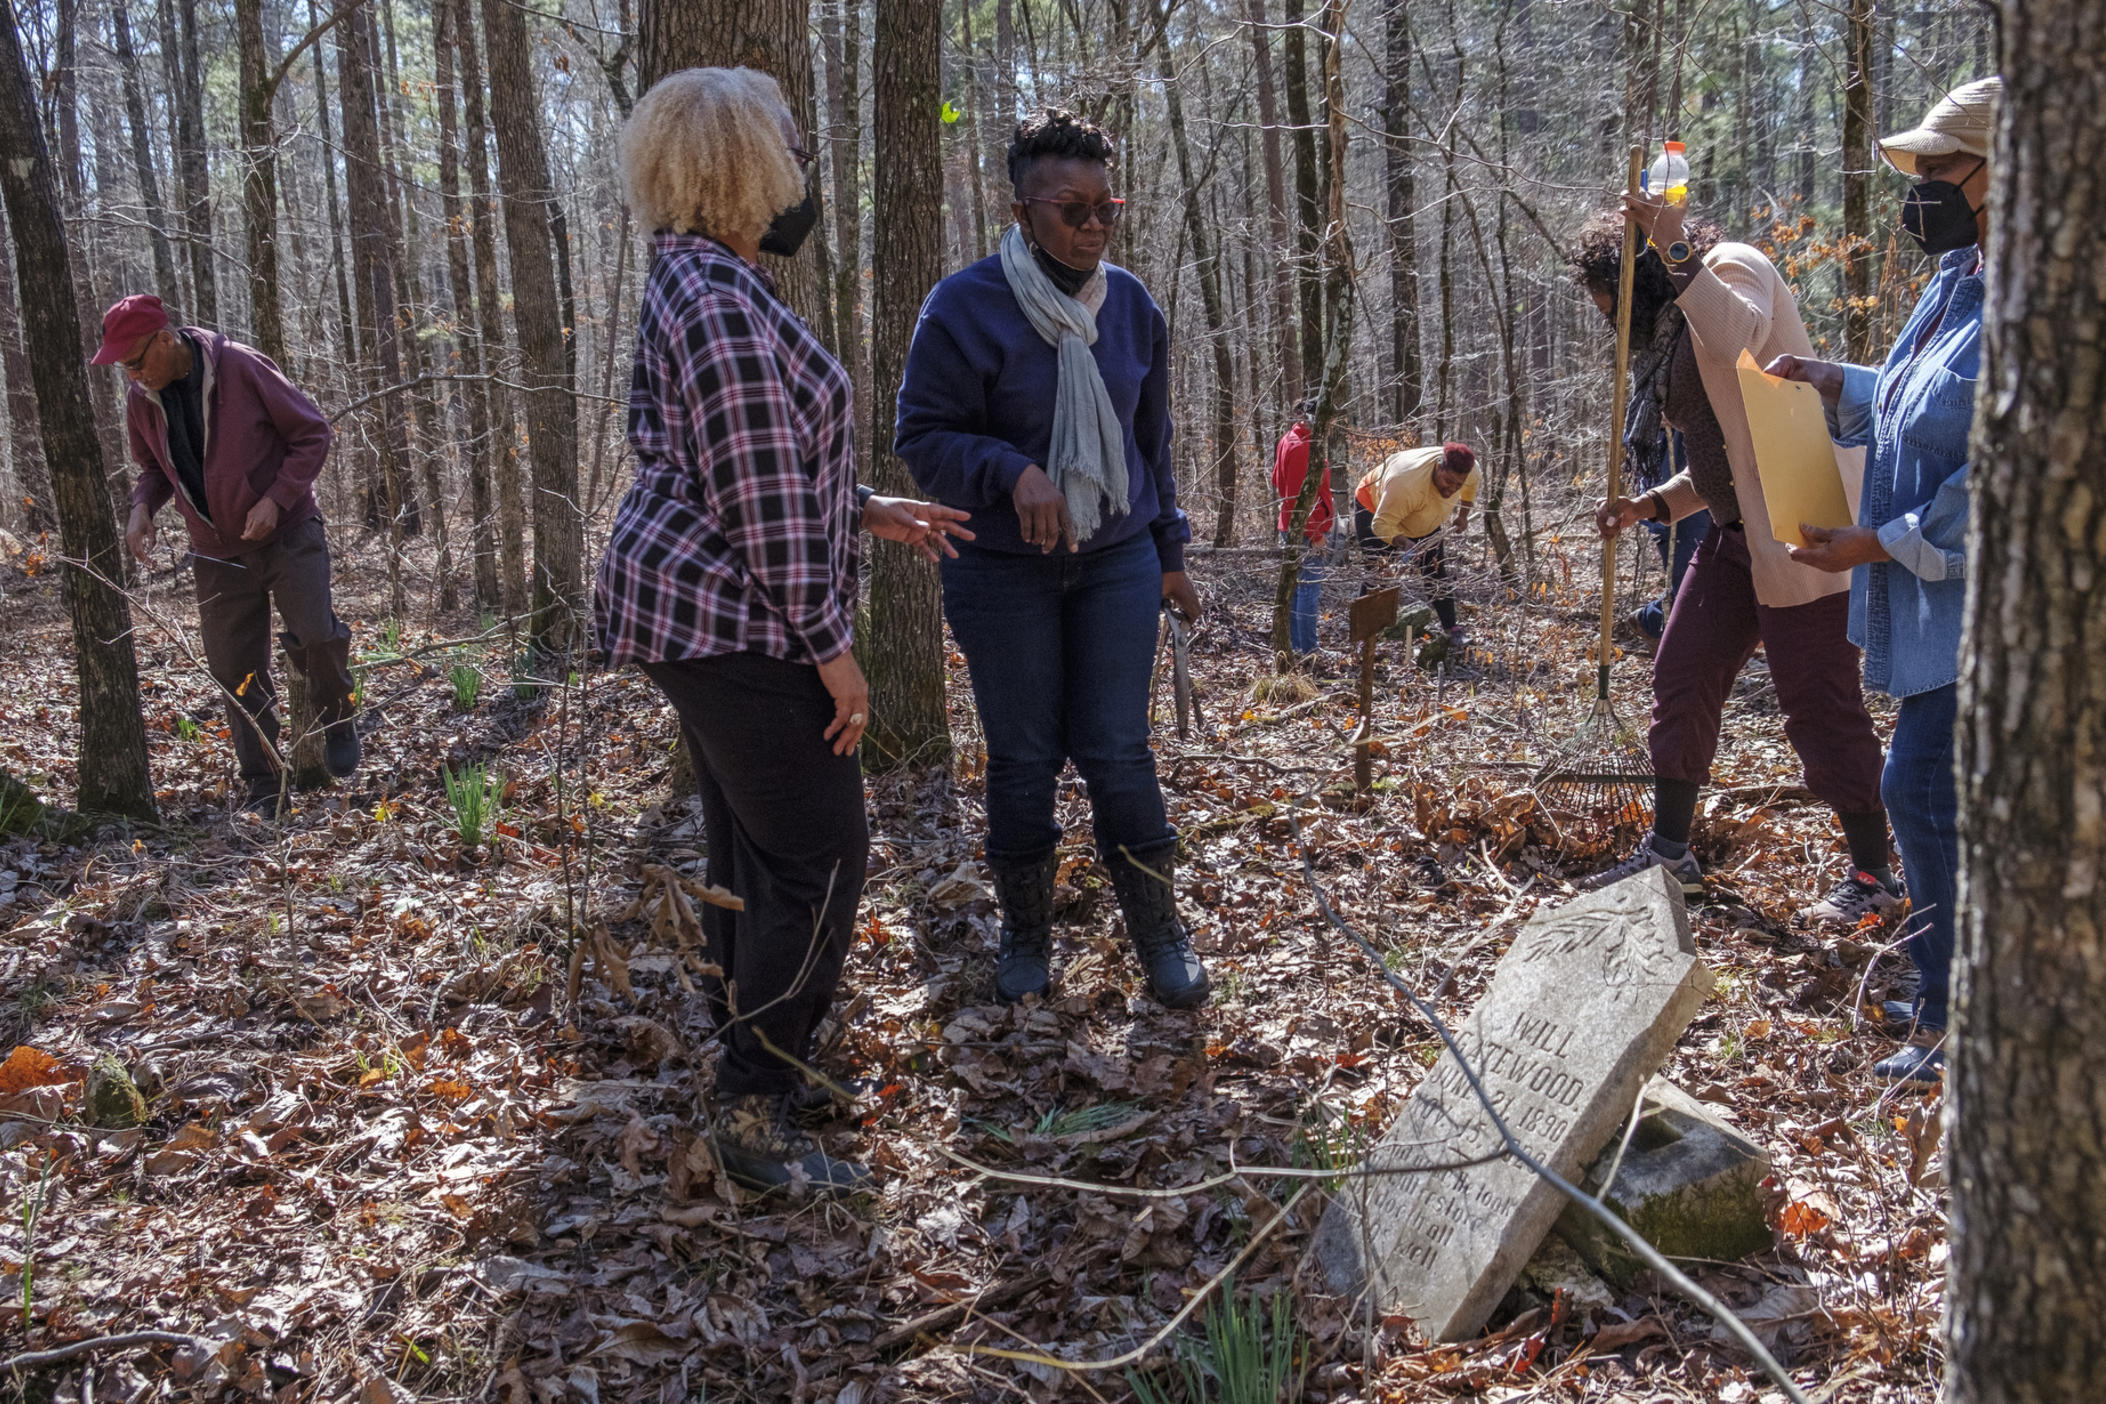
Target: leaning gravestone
(1582, 1009)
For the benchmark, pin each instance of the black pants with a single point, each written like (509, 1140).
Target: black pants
(1429, 557)
(784, 820)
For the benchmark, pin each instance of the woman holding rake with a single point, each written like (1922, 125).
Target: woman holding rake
(1697, 303)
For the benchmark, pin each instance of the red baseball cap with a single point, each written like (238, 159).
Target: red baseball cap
(139, 315)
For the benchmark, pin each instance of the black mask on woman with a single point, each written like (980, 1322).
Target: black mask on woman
(787, 233)
(1937, 216)
(1068, 280)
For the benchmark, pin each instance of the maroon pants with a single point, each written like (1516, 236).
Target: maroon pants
(1711, 635)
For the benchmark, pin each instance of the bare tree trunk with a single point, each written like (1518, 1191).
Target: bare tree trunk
(1408, 388)
(25, 442)
(1857, 182)
(1206, 253)
(102, 389)
(143, 155)
(346, 328)
(841, 37)
(372, 270)
(259, 179)
(403, 257)
(1338, 349)
(114, 778)
(1282, 256)
(975, 152)
(469, 351)
(551, 406)
(770, 35)
(2029, 1120)
(902, 649)
(489, 301)
(1309, 234)
(189, 102)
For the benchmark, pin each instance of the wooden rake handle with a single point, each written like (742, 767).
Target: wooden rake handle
(1618, 396)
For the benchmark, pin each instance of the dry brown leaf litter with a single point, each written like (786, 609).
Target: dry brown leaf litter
(384, 1159)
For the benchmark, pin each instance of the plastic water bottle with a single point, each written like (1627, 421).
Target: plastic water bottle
(1669, 176)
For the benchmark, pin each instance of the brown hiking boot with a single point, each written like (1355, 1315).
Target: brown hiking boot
(761, 1148)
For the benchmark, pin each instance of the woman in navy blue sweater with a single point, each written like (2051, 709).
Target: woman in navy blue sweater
(1037, 397)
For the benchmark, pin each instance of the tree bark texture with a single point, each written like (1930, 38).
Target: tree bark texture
(902, 645)
(558, 598)
(1288, 349)
(25, 445)
(259, 185)
(374, 278)
(1857, 182)
(489, 302)
(770, 35)
(2028, 1275)
(114, 778)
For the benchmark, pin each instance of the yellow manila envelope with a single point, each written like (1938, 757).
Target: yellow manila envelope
(1795, 458)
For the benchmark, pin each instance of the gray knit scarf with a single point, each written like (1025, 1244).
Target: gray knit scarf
(1087, 460)
(1644, 439)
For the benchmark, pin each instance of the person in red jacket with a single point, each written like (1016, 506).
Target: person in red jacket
(216, 426)
(1290, 465)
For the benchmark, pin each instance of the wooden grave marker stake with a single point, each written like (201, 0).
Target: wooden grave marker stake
(1369, 615)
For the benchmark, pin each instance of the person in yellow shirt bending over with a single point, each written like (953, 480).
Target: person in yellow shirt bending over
(1402, 505)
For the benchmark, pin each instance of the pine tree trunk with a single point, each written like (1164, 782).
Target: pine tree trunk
(114, 778)
(489, 302)
(770, 35)
(901, 647)
(1402, 194)
(25, 443)
(558, 598)
(374, 277)
(2028, 1283)
(475, 394)
(143, 156)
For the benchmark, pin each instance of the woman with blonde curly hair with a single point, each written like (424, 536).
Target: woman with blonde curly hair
(730, 579)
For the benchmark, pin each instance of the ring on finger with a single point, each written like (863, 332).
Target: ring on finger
(855, 718)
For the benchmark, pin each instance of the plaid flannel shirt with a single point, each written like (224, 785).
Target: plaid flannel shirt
(740, 535)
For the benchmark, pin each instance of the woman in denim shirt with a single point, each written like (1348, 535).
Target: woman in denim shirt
(1907, 555)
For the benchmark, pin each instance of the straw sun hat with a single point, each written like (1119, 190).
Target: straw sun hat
(1963, 120)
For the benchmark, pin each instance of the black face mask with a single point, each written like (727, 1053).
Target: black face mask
(1068, 280)
(787, 233)
(1936, 215)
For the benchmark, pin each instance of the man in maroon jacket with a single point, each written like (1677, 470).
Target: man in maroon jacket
(216, 426)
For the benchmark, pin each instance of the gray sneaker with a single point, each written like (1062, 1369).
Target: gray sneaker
(1856, 897)
(1684, 870)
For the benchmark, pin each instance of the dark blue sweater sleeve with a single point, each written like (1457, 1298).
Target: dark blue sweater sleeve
(1151, 435)
(941, 429)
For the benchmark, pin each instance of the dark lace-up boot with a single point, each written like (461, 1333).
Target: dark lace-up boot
(1147, 888)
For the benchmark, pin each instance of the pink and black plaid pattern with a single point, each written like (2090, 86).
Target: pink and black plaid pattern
(740, 535)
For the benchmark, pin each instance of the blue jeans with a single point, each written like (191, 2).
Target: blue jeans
(1060, 648)
(1308, 590)
(1689, 534)
(1923, 806)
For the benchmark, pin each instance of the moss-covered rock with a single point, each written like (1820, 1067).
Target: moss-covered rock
(1689, 1183)
(112, 1099)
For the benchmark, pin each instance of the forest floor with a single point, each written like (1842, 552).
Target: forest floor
(385, 1156)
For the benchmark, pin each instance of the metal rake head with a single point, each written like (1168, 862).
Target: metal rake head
(1598, 790)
